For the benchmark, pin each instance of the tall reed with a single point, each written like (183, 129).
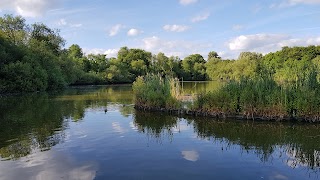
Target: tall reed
(263, 98)
(154, 91)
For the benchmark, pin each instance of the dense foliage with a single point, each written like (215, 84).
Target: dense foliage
(280, 85)
(33, 58)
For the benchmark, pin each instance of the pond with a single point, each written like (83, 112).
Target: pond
(94, 133)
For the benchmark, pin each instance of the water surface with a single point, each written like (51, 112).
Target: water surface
(94, 133)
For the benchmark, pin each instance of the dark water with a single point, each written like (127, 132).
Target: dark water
(69, 135)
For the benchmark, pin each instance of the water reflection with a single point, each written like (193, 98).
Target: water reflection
(30, 122)
(196, 87)
(297, 142)
(190, 155)
(89, 138)
(297, 145)
(49, 165)
(36, 122)
(155, 125)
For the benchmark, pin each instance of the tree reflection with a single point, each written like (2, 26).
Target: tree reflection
(300, 143)
(30, 122)
(37, 122)
(155, 125)
(297, 144)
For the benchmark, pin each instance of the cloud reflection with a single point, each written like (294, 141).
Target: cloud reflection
(49, 165)
(118, 128)
(190, 155)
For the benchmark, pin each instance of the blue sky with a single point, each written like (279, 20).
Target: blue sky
(176, 27)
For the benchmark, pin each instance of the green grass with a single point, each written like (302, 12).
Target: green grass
(262, 97)
(154, 91)
(254, 98)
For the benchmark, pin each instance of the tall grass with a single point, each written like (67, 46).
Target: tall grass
(263, 98)
(260, 97)
(156, 92)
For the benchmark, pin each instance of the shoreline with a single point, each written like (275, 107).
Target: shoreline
(223, 115)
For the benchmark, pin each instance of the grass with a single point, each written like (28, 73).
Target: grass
(156, 92)
(259, 98)
(262, 98)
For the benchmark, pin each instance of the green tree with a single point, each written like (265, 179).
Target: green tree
(213, 54)
(42, 33)
(75, 51)
(194, 67)
(14, 28)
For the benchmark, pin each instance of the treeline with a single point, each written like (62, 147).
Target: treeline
(287, 66)
(33, 58)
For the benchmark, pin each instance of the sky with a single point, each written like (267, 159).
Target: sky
(176, 27)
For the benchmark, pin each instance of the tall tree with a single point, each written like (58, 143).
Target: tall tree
(14, 28)
(213, 54)
(42, 33)
(194, 67)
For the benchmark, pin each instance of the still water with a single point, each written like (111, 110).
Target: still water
(95, 133)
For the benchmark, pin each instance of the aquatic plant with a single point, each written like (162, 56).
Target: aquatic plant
(263, 98)
(155, 92)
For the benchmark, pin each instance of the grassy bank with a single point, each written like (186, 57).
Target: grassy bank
(259, 98)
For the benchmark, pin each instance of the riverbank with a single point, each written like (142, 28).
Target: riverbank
(223, 115)
(258, 99)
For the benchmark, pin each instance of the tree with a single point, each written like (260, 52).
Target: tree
(75, 51)
(42, 33)
(14, 28)
(193, 67)
(98, 62)
(161, 64)
(213, 54)
(250, 56)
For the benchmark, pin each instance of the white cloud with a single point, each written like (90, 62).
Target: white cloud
(293, 2)
(265, 43)
(175, 28)
(109, 52)
(29, 8)
(237, 27)
(288, 3)
(76, 25)
(247, 42)
(187, 2)
(133, 32)
(63, 22)
(115, 29)
(190, 155)
(200, 17)
(174, 48)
